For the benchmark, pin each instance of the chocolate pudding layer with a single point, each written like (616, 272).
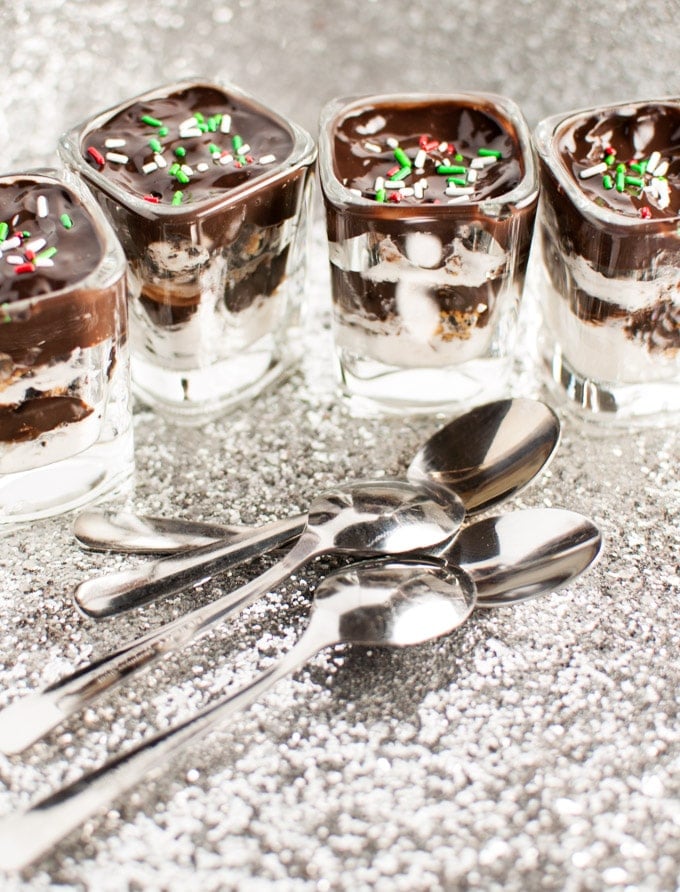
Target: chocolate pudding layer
(430, 206)
(610, 238)
(207, 192)
(59, 333)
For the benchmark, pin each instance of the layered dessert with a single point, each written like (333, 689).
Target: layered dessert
(61, 332)
(430, 204)
(610, 248)
(207, 190)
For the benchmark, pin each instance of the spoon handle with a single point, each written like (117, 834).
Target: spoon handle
(97, 530)
(117, 592)
(28, 719)
(27, 836)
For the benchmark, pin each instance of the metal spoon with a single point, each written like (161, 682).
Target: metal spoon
(510, 558)
(388, 604)
(370, 518)
(486, 455)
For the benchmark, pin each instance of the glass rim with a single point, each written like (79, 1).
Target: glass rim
(303, 153)
(544, 135)
(522, 195)
(112, 264)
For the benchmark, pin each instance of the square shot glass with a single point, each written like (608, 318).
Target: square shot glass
(430, 203)
(65, 403)
(607, 272)
(209, 192)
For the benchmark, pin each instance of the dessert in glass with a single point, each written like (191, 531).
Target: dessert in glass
(65, 413)
(208, 191)
(608, 249)
(430, 202)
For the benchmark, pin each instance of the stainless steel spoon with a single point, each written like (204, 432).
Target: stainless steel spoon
(369, 518)
(511, 557)
(486, 455)
(388, 604)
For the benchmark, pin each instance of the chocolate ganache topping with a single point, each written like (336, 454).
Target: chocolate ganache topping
(425, 153)
(189, 146)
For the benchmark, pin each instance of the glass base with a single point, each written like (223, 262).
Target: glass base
(648, 403)
(196, 396)
(69, 483)
(372, 386)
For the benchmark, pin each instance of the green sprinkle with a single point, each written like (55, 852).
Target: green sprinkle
(199, 117)
(47, 253)
(213, 124)
(178, 197)
(458, 157)
(181, 152)
(152, 122)
(620, 168)
(636, 166)
(380, 195)
(174, 167)
(401, 174)
(6, 317)
(163, 131)
(607, 181)
(237, 142)
(609, 160)
(457, 181)
(401, 156)
(489, 153)
(4, 230)
(620, 180)
(450, 168)
(181, 177)
(633, 181)
(66, 221)
(214, 150)
(155, 146)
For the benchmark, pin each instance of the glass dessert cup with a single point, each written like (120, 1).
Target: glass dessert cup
(65, 404)
(607, 261)
(209, 193)
(430, 202)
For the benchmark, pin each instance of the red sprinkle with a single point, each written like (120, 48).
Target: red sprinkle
(395, 196)
(423, 141)
(431, 145)
(451, 149)
(610, 151)
(30, 255)
(391, 172)
(96, 156)
(152, 198)
(24, 268)
(645, 212)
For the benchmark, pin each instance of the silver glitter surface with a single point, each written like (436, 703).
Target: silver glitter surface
(538, 746)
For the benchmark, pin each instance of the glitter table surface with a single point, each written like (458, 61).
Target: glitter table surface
(538, 746)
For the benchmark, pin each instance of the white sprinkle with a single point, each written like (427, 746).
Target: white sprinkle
(244, 149)
(355, 191)
(425, 183)
(654, 159)
(593, 171)
(36, 245)
(396, 184)
(10, 243)
(225, 124)
(112, 143)
(663, 191)
(408, 191)
(224, 159)
(392, 142)
(160, 160)
(372, 147)
(459, 199)
(459, 190)
(443, 147)
(188, 123)
(14, 259)
(472, 175)
(188, 132)
(189, 171)
(482, 162)
(267, 159)
(421, 158)
(117, 158)
(150, 167)
(661, 169)
(42, 206)
(418, 190)
(43, 261)
(202, 167)
(379, 183)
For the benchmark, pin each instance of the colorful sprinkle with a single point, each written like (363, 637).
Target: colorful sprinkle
(96, 155)
(66, 221)
(151, 121)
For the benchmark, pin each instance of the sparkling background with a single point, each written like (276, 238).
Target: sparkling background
(538, 747)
